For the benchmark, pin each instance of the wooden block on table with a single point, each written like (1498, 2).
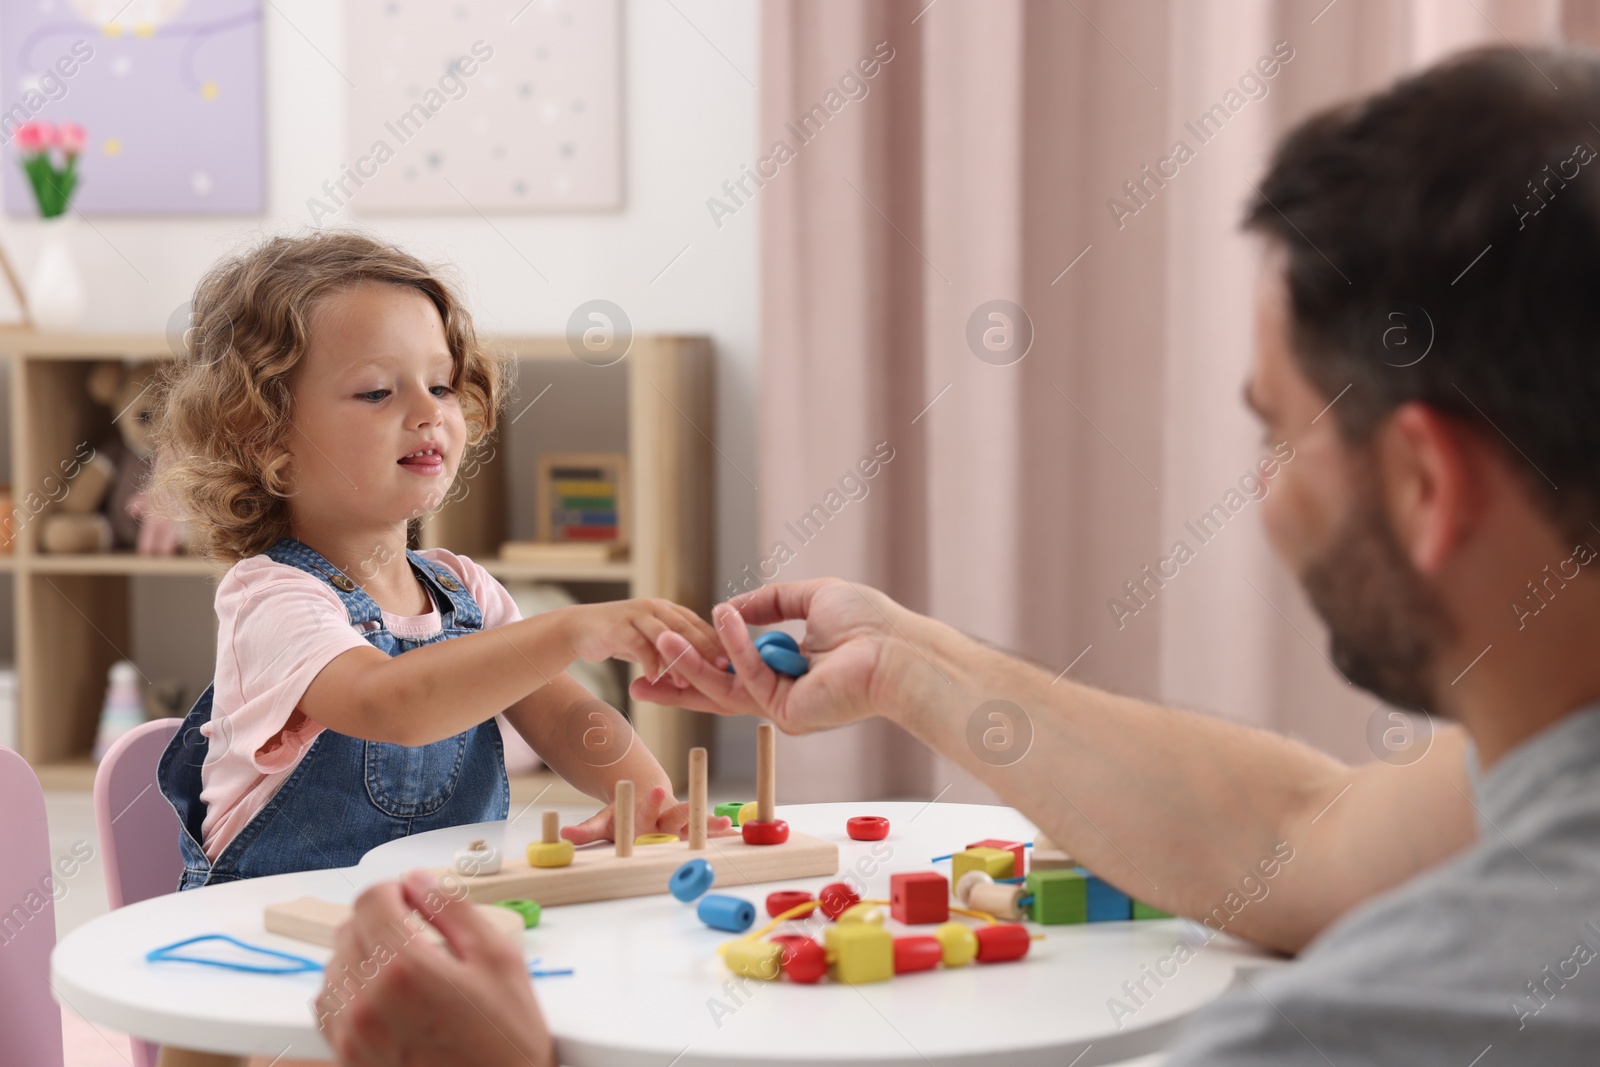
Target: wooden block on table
(1019, 851)
(1141, 910)
(315, 920)
(1058, 897)
(597, 873)
(995, 862)
(919, 897)
(860, 952)
(1104, 902)
(1048, 857)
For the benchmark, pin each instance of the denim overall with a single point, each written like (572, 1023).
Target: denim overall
(346, 796)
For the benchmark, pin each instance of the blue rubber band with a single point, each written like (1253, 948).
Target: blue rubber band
(534, 972)
(166, 954)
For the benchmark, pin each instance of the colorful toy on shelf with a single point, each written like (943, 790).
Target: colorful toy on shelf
(919, 897)
(594, 872)
(867, 828)
(123, 708)
(780, 652)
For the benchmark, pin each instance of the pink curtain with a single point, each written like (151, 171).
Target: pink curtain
(921, 160)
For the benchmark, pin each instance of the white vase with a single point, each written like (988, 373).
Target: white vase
(56, 296)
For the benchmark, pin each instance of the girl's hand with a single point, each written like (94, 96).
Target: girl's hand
(628, 630)
(654, 812)
(856, 639)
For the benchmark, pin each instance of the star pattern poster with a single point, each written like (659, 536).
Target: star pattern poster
(462, 107)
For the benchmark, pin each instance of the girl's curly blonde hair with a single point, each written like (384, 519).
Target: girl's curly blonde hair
(223, 409)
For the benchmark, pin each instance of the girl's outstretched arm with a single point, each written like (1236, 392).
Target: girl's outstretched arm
(441, 689)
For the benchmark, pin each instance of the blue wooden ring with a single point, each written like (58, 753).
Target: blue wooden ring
(784, 661)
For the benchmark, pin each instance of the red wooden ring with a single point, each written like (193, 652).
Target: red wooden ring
(783, 900)
(775, 832)
(867, 828)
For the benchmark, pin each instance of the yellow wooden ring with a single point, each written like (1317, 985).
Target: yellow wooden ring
(654, 839)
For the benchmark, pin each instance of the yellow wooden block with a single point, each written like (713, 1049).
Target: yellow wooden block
(860, 952)
(748, 813)
(655, 839)
(995, 862)
(549, 853)
(758, 959)
(959, 943)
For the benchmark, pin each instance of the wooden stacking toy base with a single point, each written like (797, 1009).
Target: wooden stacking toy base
(598, 873)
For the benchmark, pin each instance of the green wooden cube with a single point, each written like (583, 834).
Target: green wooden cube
(1141, 910)
(730, 809)
(1058, 897)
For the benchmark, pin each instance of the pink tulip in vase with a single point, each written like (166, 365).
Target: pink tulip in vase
(56, 296)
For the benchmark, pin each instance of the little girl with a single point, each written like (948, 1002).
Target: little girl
(331, 387)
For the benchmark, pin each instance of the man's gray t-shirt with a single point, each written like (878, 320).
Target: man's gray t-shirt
(1491, 958)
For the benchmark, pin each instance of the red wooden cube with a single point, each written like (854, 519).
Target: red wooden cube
(1018, 850)
(919, 897)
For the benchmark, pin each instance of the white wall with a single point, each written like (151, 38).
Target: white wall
(690, 119)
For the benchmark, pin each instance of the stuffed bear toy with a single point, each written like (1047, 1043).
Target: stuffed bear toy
(107, 505)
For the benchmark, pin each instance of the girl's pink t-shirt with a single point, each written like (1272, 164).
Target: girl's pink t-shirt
(277, 628)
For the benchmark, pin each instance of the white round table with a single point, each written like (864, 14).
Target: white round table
(649, 988)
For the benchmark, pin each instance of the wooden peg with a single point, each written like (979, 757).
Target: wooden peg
(697, 799)
(622, 820)
(551, 828)
(766, 772)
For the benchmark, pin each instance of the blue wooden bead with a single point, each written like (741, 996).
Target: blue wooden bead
(785, 661)
(779, 651)
(779, 638)
(726, 913)
(690, 880)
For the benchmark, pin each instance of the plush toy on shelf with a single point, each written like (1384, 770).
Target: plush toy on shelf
(106, 506)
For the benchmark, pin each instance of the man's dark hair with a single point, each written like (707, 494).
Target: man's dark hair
(1461, 206)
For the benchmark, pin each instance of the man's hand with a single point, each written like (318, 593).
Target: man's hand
(852, 639)
(394, 997)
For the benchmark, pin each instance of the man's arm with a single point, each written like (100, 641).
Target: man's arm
(1181, 809)
(1176, 808)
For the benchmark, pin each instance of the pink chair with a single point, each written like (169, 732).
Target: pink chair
(30, 1021)
(138, 828)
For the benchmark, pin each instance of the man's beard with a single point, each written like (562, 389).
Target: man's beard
(1385, 622)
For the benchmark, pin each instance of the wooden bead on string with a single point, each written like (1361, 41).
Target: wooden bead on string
(1001, 901)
